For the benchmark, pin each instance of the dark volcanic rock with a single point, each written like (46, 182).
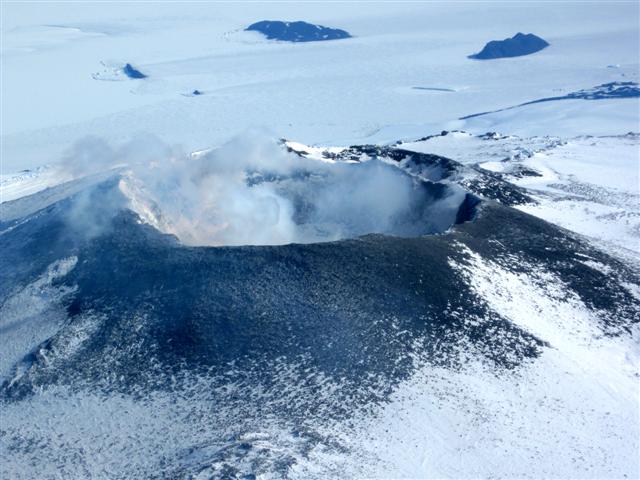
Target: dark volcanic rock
(296, 31)
(599, 92)
(168, 307)
(240, 342)
(132, 72)
(518, 45)
(335, 306)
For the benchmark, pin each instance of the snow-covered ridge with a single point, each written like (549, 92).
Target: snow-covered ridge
(597, 198)
(611, 90)
(324, 154)
(586, 184)
(27, 182)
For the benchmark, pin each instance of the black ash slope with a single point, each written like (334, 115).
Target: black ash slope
(250, 322)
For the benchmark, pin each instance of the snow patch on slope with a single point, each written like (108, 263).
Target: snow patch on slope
(28, 182)
(572, 413)
(32, 314)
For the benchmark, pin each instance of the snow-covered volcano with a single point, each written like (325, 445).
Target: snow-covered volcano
(260, 192)
(278, 360)
(435, 273)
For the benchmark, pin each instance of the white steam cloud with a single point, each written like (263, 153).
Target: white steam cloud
(251, 191)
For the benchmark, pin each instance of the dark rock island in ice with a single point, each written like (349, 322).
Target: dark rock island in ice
(132, 72)
(518, 45)
(296, 31)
